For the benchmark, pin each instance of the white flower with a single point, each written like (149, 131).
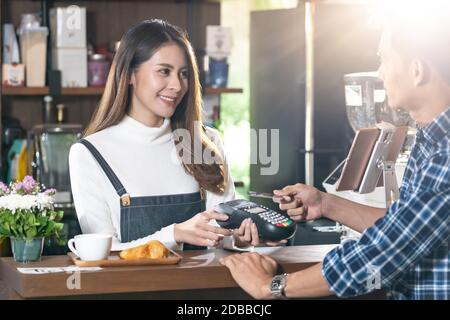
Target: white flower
(44, 201)
(15, 202)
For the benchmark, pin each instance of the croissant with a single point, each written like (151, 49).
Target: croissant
(151, 250)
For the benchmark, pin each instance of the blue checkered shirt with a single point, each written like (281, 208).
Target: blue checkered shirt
(407, 251)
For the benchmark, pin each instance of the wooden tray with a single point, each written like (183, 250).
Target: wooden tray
(114, 260)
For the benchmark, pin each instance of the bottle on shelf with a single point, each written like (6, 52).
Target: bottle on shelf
(98, 68)
(48, 112)
(61, 113)
(217, 73)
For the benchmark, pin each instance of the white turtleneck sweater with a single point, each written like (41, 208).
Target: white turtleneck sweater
(142, 159)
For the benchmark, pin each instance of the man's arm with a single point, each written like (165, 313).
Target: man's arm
(386, 249)
(304, 202)
(412, 229)
(254, 272)
(356, 216)
(307, 283)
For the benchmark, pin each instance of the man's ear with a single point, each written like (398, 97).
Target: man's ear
(420, 72)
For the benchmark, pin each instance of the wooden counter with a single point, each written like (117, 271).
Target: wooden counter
(198, 276)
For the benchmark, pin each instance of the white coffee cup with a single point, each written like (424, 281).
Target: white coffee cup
(91, 247)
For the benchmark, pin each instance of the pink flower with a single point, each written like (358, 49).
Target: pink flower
(30, 185)
(50, 192)
(18, 188)
(27, 186)
(4, 189)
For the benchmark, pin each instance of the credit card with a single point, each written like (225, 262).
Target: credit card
(256, 194)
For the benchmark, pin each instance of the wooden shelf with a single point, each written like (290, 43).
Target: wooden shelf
(41, 91)
(89, 91)
(210, 90)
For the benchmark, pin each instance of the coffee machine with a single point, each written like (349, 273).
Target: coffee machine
(48, 163)
(49, 147)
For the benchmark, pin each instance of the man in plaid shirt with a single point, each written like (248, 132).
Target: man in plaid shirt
(407, 248)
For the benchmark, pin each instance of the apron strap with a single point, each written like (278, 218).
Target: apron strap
(120, 189)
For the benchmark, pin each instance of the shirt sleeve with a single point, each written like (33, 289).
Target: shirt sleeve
(412, 228)
(89, 182)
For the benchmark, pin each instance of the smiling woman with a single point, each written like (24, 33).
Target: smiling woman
(132, 175)
(159, 85)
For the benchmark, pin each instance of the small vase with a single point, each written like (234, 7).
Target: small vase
(26, 251)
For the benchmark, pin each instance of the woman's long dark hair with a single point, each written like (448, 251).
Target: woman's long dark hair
(136, 47)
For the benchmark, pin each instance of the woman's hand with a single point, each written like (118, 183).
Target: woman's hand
(199, 232)
(247, 235)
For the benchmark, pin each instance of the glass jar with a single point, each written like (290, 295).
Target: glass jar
(218, 73)
(27, 250)
(98, 68)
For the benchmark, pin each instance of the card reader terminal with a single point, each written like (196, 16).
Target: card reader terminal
(271, 225)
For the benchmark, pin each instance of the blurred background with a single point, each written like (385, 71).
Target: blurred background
(257, 58)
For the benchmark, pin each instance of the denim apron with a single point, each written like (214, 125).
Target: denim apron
(143, 216)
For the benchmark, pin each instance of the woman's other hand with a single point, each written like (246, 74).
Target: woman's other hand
(247, 235)
(198, 231)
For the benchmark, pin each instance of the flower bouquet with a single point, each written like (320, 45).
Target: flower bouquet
(27, 216)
